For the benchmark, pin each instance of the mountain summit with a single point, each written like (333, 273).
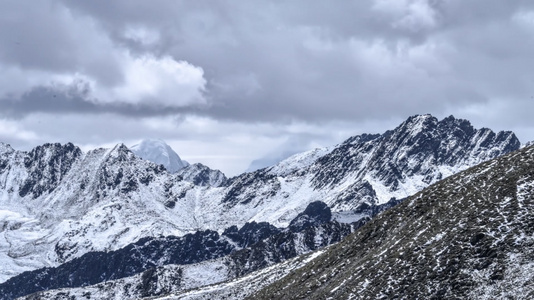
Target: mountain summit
(157, 151)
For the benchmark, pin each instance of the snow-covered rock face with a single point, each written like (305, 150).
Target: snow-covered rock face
(5, 149)
(419, 152)
(365, 170)
(470, 236)
(58, 203)
(233, 253)
(201, 175)
(157, 151)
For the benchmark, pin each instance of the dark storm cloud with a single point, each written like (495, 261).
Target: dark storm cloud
(57, 101)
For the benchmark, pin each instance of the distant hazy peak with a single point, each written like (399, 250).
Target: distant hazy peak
(157, 151)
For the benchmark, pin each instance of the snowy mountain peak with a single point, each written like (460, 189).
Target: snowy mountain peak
(5, 148)
(421, 118)
(421, 147)
(120, 153)
(159, 152)
(418, 123)
(201, 175)
(425, 123)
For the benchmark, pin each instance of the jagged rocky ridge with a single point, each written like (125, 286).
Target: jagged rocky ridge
(367, 169)
(58, 203)
(470, 236)
(239, 252)
(202, 175)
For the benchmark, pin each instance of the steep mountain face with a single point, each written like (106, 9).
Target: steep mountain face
(363, 171)
(201, 175)
(58, 203)
(239, 251)
(468, 236)
(157, 151)
(422, 149)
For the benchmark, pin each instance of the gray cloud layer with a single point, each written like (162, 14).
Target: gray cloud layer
(273, 62)
(52, 101)
(309, 60)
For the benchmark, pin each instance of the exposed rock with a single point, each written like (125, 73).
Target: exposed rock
(470, 236)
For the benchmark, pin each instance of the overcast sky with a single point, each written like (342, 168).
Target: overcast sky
(229, 82)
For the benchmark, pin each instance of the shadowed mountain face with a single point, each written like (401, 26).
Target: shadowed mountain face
(468, 236)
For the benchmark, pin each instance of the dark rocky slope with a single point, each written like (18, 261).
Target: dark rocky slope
(470, 236)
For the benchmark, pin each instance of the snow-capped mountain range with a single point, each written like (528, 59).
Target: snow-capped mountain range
(181, 262)
(470, 236)
(58, 203)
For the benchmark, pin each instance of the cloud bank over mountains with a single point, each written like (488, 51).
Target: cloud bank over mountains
(223, 82)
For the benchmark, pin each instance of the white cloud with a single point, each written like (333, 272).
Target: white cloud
(162, 81)
(147, 80)
(13, 131)
(525, 19)
(142, 35)
(411, 15)
(61, 50)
